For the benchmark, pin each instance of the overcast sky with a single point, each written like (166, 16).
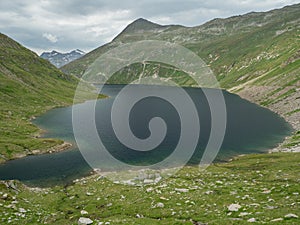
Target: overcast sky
(65, 25)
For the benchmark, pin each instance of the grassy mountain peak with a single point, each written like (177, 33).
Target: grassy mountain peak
(140, 25)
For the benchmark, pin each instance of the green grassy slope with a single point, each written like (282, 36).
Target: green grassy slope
(254, 55)
(29, 86)
(229, 46)
(265, 186)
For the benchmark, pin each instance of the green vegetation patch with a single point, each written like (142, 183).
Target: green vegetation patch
(265, 187)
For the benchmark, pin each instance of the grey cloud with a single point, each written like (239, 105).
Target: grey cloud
(90, 23)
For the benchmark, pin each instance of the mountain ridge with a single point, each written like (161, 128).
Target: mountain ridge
(255, 55)
(59, 59)
(182, 34)
(142, 26)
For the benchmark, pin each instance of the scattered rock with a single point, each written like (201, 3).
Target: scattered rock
(139, 216)
(22, 210)
(160, 205)
(83, 212)
(244, 214)
(198, 223)
(183, 190)
(84, 221)
(235, 219)
(251, 220)
(11, 184)
(148, 181)
(234, 207)
(245, 197)
(270, 207)
(10, 206)
(36, 152)
(254, 204)
(149, 189)
(266, 192)
(142, 176)
(20, 214)
(4, 196)
(128, 182)
(291, 216)
(157, 179)
(277, 220)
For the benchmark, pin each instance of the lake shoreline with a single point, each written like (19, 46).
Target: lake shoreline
(67, 145)
(64, 146)
(248, 95)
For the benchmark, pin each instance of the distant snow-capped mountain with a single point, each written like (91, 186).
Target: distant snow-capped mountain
(60, 59)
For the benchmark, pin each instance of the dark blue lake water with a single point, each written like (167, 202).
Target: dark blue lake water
(250, 129)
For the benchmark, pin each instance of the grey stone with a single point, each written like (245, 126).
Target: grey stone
(234, 207)
(84, 221)
(290, 216)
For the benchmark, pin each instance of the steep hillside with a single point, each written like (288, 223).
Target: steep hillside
(139, 29)
(29, 85)
(255, 55)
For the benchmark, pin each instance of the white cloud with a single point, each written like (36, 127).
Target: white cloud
(50, 37)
